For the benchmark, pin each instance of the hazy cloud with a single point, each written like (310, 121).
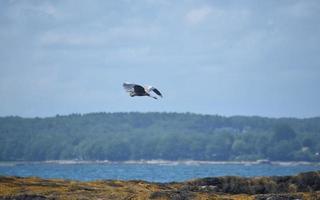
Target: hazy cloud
(218, 57)
(196, 16)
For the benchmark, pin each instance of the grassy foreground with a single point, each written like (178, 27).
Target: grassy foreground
(302, 186)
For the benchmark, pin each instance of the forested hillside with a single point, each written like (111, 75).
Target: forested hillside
(169, 136)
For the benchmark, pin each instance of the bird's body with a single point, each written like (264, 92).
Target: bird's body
(138, 90)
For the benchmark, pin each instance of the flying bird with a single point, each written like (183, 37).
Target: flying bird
(138, 90)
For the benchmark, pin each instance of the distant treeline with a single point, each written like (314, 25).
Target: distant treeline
(169, 136)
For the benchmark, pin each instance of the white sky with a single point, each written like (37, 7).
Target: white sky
(213, 57)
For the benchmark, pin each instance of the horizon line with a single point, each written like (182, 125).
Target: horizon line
(155, 112)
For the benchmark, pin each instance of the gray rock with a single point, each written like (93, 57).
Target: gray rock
(25, 197)
(278, 197)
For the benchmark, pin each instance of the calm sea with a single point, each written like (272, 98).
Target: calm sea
(154, 171)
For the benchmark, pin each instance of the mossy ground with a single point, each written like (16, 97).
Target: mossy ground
(37, 188)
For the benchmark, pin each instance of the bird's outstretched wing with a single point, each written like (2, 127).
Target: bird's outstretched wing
(153, 89)
(157, 92)
(129, 87)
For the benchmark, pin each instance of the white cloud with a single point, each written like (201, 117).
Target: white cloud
(20, 9)
(70, 39)
(302, 9)
(198, 15)
(113, 35)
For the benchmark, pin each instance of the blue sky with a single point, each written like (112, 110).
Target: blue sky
(213, 57)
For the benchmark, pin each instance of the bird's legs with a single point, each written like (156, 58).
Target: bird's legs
(132, 94)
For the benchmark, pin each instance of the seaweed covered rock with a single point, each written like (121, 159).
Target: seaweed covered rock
(278, 197)
(304, 182)
(25, 197)
(308, 181)
(172, 194)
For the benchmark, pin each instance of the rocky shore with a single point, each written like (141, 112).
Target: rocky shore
(302, 186)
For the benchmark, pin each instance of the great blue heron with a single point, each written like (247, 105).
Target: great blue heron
(138, 90)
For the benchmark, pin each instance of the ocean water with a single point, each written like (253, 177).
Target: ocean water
(155, 172)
